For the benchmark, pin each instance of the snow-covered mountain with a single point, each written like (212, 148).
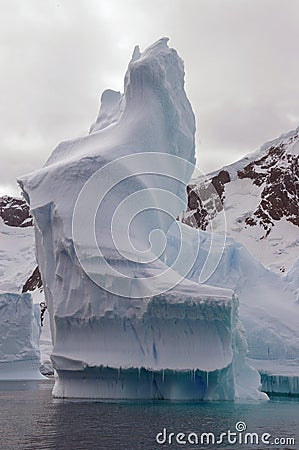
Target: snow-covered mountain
(19, 277)
(260, 197)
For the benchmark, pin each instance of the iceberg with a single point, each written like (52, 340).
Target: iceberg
(19, 311)
(268, 303)
(125, 322)
(279, 377)
(19, 331)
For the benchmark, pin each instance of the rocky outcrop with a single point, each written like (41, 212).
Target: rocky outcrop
(33, 282)
(15, 212)
(277, 172)
(205, 200)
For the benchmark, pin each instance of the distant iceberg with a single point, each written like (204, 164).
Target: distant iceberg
(19, 317)
(19, 338)
(125, 322)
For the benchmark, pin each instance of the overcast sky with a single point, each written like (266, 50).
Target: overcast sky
(57, 56)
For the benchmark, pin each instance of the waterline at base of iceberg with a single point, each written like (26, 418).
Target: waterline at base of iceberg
(20, 370)
(132, 383)
(280, 384)
(279, 377)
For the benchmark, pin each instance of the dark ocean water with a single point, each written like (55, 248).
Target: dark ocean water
(31, 419)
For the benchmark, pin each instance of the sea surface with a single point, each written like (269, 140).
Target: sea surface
(31, 419)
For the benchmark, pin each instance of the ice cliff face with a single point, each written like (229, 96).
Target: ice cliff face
(19, 331)
(259, 194)
(125, 322)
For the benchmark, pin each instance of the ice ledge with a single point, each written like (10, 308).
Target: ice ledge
(108, 383)
(176, 350)
(280, 384)
(278, 377)
(191, 335)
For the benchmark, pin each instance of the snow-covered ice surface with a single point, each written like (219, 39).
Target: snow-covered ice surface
(128, 326)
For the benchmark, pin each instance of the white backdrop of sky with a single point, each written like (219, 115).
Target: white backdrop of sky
(57, 56)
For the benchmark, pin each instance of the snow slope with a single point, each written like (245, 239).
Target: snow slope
(124, 323)
(292, 277)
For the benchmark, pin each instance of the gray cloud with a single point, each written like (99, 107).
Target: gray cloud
(57, 56)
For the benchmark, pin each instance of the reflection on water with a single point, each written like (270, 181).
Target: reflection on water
(31, 419)
(6, 386)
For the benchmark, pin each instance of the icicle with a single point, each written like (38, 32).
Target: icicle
(118, 372)
(139, 370)
(163, 375)
(207, 380)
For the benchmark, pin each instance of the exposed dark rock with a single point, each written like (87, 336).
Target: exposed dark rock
(219, 181)
(205, 200)
(33, 282)
(278, 173)
(199, 217)
(15, 212)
